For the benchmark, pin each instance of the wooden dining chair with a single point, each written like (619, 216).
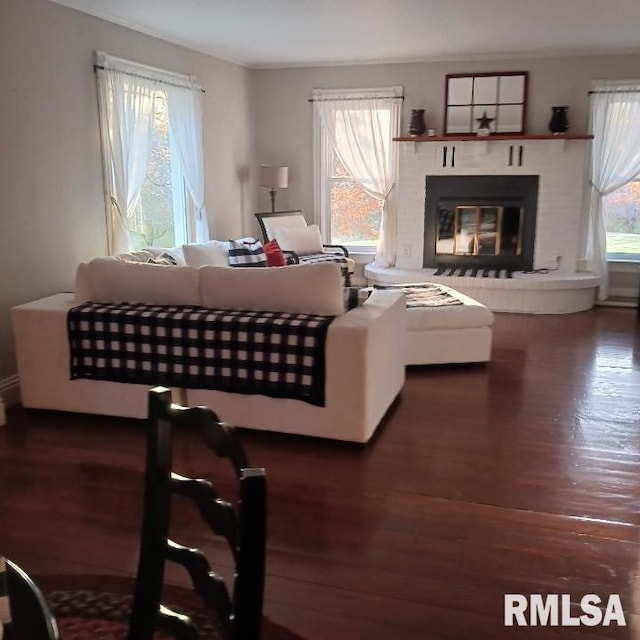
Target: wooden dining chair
(242, 525)
(28, 615)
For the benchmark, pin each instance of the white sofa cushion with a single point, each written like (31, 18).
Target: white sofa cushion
(214, 252)
(112, 280)
(302, 288)
(303, 241)
(82, 290)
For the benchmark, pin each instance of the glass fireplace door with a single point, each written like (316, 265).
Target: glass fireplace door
(480, 230)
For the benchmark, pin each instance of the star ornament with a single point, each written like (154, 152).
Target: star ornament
(484, 122)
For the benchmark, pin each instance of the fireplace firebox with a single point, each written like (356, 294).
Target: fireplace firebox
(485, 221)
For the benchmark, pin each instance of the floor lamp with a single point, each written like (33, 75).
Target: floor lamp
(274, 178)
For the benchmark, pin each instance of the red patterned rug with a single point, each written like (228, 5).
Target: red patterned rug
(98, 607)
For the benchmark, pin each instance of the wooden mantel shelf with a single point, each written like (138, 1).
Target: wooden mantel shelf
(493, 138)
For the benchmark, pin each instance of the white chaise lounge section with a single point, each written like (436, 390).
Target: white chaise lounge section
(449, 334)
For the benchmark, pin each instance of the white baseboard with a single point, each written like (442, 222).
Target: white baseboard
(617, 302)
(10, 390)
(629, 293)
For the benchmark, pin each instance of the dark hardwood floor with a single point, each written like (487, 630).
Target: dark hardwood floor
(521, 476)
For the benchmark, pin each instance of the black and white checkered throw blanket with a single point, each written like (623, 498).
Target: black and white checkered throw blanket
(423, 295)
(281, 355)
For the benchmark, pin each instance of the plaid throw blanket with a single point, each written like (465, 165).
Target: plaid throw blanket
(323, 257)
(423, 295)
(255, 352)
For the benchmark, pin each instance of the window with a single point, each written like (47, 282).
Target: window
(355, 162)
(159, 216)
(614, 229)
(621, 210)
(151, 129)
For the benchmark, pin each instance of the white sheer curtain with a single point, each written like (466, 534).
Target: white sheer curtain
(185, 129)
(126, 119)
(126, 98)
(615, 124)
(360, 125)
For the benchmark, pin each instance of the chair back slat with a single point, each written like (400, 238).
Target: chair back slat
(209, 585)
(243, 526)
(217, 513)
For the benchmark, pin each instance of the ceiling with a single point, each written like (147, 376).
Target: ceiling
(285, 33)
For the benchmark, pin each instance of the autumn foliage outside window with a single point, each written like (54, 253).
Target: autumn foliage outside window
(622, 220)
(355, 215)
(152, 223)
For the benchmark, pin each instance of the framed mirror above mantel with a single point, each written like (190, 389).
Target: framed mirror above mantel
(485, 103)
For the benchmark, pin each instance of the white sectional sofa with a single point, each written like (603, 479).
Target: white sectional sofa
(363, 362)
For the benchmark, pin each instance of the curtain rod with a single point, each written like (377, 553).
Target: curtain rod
(98, 67)
(363, 98)
(614, 91)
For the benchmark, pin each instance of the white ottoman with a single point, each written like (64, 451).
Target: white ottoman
(448, 334)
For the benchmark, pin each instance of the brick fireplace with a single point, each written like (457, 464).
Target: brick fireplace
(557, 165)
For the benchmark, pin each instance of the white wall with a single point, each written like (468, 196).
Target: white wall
(52, 208)
(283, 115)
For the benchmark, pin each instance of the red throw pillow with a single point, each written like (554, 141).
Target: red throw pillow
(275, 257)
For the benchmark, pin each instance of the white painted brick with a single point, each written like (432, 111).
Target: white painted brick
(560, 165)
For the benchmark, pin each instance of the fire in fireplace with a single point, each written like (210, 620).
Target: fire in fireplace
(480, 221)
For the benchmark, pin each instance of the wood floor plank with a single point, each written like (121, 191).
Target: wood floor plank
(519, 476)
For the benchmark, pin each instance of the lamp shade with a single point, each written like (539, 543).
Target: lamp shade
(274, 177)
